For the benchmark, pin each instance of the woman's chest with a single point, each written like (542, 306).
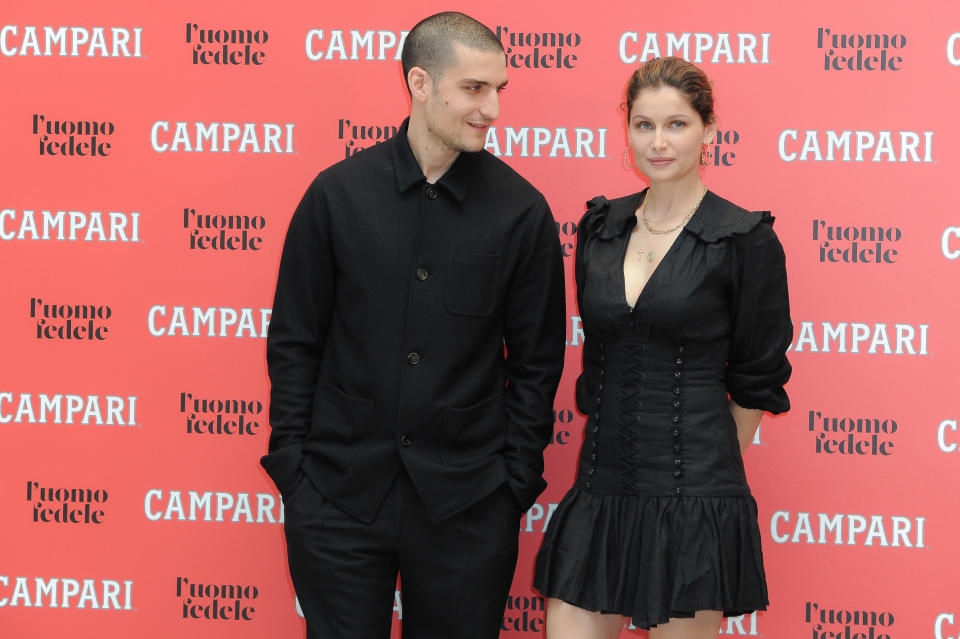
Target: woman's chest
(687, 294)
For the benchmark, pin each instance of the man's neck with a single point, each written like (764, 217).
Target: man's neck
(433, 157)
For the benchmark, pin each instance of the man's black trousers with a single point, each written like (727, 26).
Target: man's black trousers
(454, 575)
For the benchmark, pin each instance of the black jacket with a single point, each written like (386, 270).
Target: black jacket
(417, 325)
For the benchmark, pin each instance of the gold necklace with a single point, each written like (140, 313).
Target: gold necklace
(686, 218)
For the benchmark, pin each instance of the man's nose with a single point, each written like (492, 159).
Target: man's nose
(490, 109)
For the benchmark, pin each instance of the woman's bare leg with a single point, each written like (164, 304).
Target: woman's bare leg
(566, 621)
(705, 625)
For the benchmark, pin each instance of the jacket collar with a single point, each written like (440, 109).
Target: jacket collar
(408, 173)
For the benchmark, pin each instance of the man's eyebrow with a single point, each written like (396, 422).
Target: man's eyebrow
(483, 83)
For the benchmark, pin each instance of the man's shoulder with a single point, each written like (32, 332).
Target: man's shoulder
(361, 165)
(349, 178)
(498, 172)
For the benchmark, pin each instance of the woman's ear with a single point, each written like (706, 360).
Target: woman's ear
(710, 134)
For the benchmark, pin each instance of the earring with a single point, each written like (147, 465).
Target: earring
(628, 158)
(705, 156)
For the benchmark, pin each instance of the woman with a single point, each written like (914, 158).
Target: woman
(683, 297)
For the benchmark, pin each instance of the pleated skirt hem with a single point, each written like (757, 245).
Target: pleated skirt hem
(653, 558)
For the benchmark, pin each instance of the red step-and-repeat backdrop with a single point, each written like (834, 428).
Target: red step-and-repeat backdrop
(153, 156)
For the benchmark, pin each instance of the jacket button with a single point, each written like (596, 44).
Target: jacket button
(432, 192)
(422, 273)
(675, 431)
(676, 419)
(676, 450)
(405, 440)
(413, 358)
(677, 474)
(677, 491)
(677, 461)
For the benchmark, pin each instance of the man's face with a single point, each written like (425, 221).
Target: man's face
(465, 100)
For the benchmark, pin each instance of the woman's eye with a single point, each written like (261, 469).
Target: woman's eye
(678, 124)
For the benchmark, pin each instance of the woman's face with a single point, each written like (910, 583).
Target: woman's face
(666, 135)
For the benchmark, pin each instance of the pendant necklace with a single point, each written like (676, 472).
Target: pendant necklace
(655, 231)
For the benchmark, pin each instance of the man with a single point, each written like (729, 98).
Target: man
(414, 352)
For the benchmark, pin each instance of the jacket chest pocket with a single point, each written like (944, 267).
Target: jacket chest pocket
(472, 283)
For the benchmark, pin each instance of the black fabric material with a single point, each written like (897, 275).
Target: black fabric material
(395, 302)
(660, 522)
(455, 575)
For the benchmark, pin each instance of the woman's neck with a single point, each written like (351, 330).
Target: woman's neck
(666, 200)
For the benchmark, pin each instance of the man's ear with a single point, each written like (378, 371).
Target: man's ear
(419, 82)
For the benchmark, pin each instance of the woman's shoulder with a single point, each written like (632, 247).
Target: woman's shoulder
(719, 218)
(607, 218)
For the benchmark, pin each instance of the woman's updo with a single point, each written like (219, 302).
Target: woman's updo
(679, 74)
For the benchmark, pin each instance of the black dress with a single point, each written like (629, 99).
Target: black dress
(660, 522)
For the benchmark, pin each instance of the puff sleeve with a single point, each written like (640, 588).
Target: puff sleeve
(757, 368)
(593, 220)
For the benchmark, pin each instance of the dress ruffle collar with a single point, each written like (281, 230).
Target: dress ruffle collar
(715, 219)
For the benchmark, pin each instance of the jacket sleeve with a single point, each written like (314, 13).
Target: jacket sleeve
(302, 309)
(534, 328)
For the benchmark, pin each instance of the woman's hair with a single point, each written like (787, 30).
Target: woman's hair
(679, 74)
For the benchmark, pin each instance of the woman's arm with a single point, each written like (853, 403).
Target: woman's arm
(747, 419)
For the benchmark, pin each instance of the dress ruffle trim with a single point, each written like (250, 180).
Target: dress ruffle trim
(653, 558)
(595, 220)
(715, 219)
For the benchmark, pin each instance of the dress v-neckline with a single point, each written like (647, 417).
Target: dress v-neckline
(653, 273)
(669, 252)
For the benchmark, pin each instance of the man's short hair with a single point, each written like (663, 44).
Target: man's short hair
(429, 45)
